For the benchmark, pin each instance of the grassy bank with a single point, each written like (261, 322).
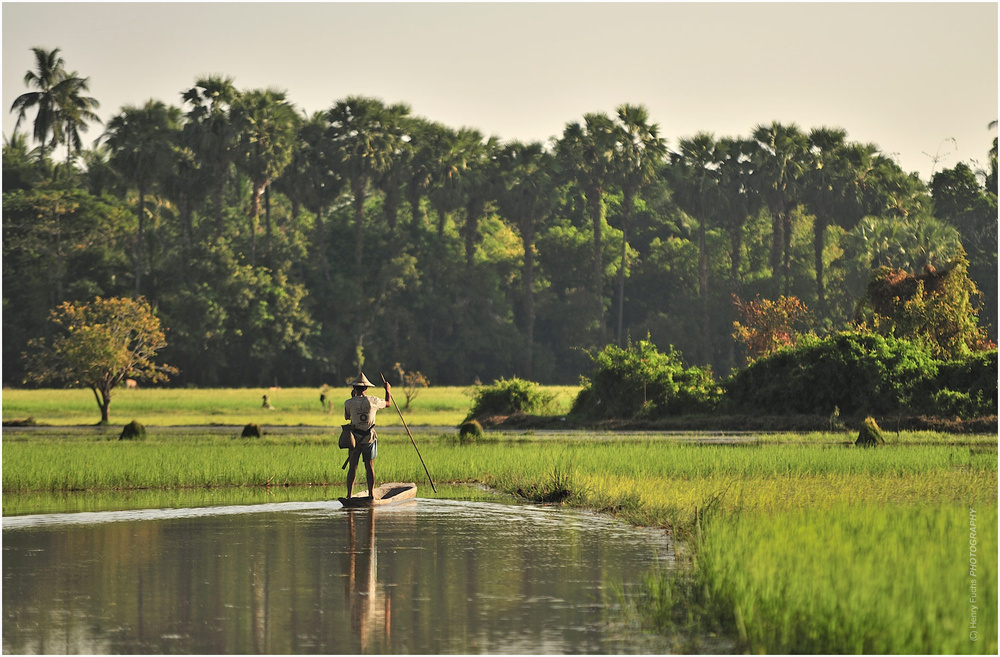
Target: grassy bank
(799, 543)
(845, 579)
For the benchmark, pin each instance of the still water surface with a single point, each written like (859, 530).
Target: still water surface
(430, 576)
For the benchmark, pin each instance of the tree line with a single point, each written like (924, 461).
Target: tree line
(279, 247)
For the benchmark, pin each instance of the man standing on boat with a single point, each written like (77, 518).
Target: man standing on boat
(360, 410)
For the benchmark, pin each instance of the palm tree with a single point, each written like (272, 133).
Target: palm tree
(19, 168)
(739, 202)
(525, 201)
(310, 180)
(214, 135)
(390, 180)
(780, 163)
(842, 185)
(427, 141)
(74, 111)
(367, 137)
(639, 150)
(142, 141)
(991, 175)
(49, 72)
(475, 181)
(185, 186)
(61, 111)
(826, 188)
(444, 194)
(694, 176)
(893, 192)
(266, 124)
(911, 245)
(586, 154)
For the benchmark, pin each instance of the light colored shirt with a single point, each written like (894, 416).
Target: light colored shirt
(361, 411)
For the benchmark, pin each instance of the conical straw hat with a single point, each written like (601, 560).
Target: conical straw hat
(361, 382)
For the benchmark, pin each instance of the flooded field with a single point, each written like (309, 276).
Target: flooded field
(432, 576)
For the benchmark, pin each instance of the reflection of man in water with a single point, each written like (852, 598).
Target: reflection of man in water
(363, 596)
(360, 409)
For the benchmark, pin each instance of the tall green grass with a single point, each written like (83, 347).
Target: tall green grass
(670, 480)
(854, 579)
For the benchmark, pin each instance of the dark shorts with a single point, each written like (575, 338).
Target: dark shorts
(368, 451)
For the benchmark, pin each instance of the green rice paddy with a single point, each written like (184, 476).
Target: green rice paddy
(434, 406)
(792, 543)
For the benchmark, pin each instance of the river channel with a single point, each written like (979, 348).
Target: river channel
(429, 576)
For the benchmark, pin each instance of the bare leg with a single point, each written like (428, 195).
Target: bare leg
(352, 471)
(370, 477)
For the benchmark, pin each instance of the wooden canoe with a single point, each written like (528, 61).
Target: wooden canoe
(385, 495)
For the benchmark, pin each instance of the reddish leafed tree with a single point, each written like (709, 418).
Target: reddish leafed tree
(764, 326)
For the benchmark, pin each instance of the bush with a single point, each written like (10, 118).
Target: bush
(768, 325)
(506, 397)
(935, 307)
(950, 403)
(640, 382)
(251, 431)
(966, 387)
(133, 431)
(470, 431)
(859, 373)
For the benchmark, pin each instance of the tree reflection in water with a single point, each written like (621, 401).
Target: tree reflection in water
(434, 576)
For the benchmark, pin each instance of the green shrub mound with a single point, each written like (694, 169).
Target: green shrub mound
(859, 373)
(965, 388)
(864, 374)
(133, 431)
(251, 431)
(470, 431)
(507, 397)
(640, 382)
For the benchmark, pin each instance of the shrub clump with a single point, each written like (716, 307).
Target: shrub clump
(965, 387)
(251, 431)
(859, 373)
(935, 307)
(470, 431)
(863, 373)
(509, 396)
(133, 431)
(640, 382)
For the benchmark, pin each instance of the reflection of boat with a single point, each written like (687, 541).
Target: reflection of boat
(385, 495)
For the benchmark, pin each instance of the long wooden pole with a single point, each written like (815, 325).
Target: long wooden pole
(411, 439)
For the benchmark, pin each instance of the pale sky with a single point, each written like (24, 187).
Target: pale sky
(909, 77)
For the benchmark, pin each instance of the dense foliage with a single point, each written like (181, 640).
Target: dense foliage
(509, 396)
(934, 307)
(285, 249)
(965, 387)
(853, 373)
(860, 373)
(639, 381)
